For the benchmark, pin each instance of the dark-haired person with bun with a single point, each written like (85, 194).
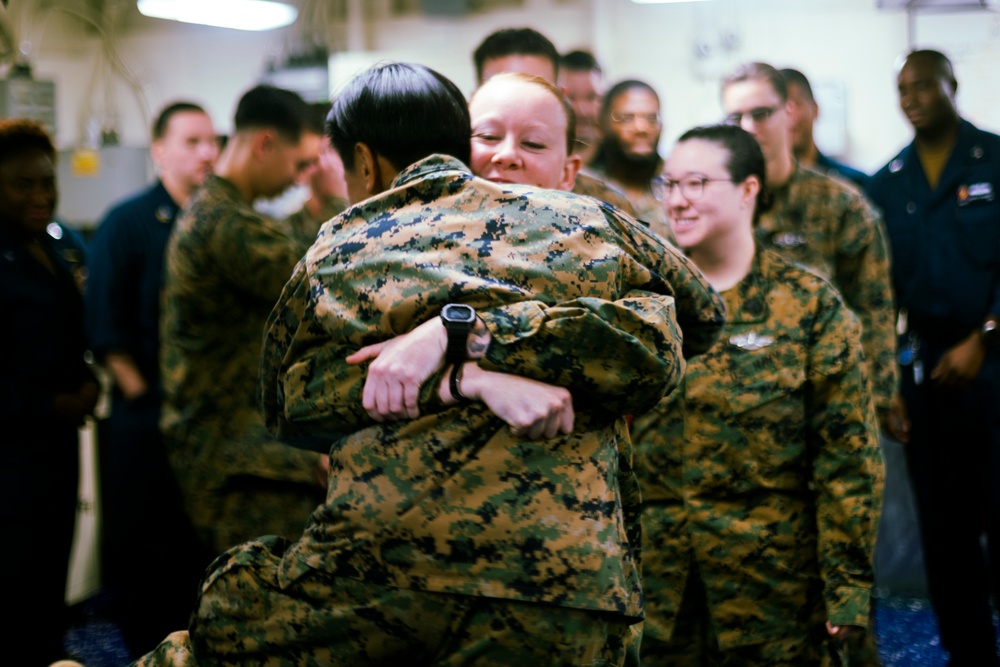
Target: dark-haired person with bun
(466, 350)
(46, 392)
(761, 475)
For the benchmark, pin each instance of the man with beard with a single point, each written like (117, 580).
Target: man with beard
(628, 158)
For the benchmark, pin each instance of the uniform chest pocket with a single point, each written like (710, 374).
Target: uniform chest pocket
(977, 225)
(766, 383)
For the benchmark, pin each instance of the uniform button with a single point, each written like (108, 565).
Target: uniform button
(911, 208)
(895, 165)
(976, 152)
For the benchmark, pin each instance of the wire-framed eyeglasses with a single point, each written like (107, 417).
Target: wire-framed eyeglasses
(691, 187)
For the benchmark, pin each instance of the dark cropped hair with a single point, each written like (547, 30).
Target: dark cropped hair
(402, 111)
(794, 77)
(745, 157)
(22, 135)
(514, 42)
(273, 108)
(579, 61)
(940, 60)
(169, 111)
(620, 89)
(758, 72)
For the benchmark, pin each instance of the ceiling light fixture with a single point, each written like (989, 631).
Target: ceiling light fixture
(661, 2)
(237, 14)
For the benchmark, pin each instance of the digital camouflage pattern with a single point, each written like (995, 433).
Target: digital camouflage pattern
(764, 466)
(647, 208)
(226, 264)
(574, 293)
(325, 620)
(594, 187)
(828, 226)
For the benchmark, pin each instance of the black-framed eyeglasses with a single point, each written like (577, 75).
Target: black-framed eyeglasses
(629, 118)
(691, 188)
(757, 116)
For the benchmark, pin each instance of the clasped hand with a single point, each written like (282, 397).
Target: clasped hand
(401, 365)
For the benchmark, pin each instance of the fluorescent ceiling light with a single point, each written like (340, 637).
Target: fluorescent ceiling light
(238, 14)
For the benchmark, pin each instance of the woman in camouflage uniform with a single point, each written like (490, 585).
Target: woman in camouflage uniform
(761, 475)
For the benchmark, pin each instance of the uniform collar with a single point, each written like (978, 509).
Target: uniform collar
(430, 165)
(969, 150)
(746, 302)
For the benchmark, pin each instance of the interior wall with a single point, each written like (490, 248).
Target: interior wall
(846, 47)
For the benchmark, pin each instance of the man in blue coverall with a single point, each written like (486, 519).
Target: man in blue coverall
(942, 213)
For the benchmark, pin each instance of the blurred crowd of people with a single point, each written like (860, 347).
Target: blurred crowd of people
(508, 385)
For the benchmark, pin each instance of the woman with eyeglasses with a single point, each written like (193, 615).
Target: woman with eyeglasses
(761, 476)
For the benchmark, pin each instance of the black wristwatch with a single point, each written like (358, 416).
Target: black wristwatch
(990, 332)
(458, 320)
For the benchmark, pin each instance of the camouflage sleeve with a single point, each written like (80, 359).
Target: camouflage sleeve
(701, 313)
(622, 355)
(864, 278)
(847, 467)
(255, 253)
(305, 225)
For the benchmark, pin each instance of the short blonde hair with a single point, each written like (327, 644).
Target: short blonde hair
(551, 89)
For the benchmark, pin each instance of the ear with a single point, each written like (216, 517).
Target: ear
(749, 189)
(156, 151)
(366, 166)
(263, 143)
(571, 168)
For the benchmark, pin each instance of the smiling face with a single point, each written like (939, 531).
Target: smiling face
(519, 135)
(634, 120)
(27, 192)
(722, 208)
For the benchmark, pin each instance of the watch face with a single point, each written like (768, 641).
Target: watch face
(458, 312)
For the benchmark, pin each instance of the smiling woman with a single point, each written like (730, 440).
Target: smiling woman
(523, 129)
(766, 461)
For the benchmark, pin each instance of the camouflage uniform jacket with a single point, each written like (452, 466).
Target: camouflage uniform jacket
(574, 294)
(648, 209)
(225, 267)
(764, 466)
(828, 226)
(594, 187)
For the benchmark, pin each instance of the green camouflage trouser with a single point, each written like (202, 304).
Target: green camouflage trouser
(245, 618)
(694, 642)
